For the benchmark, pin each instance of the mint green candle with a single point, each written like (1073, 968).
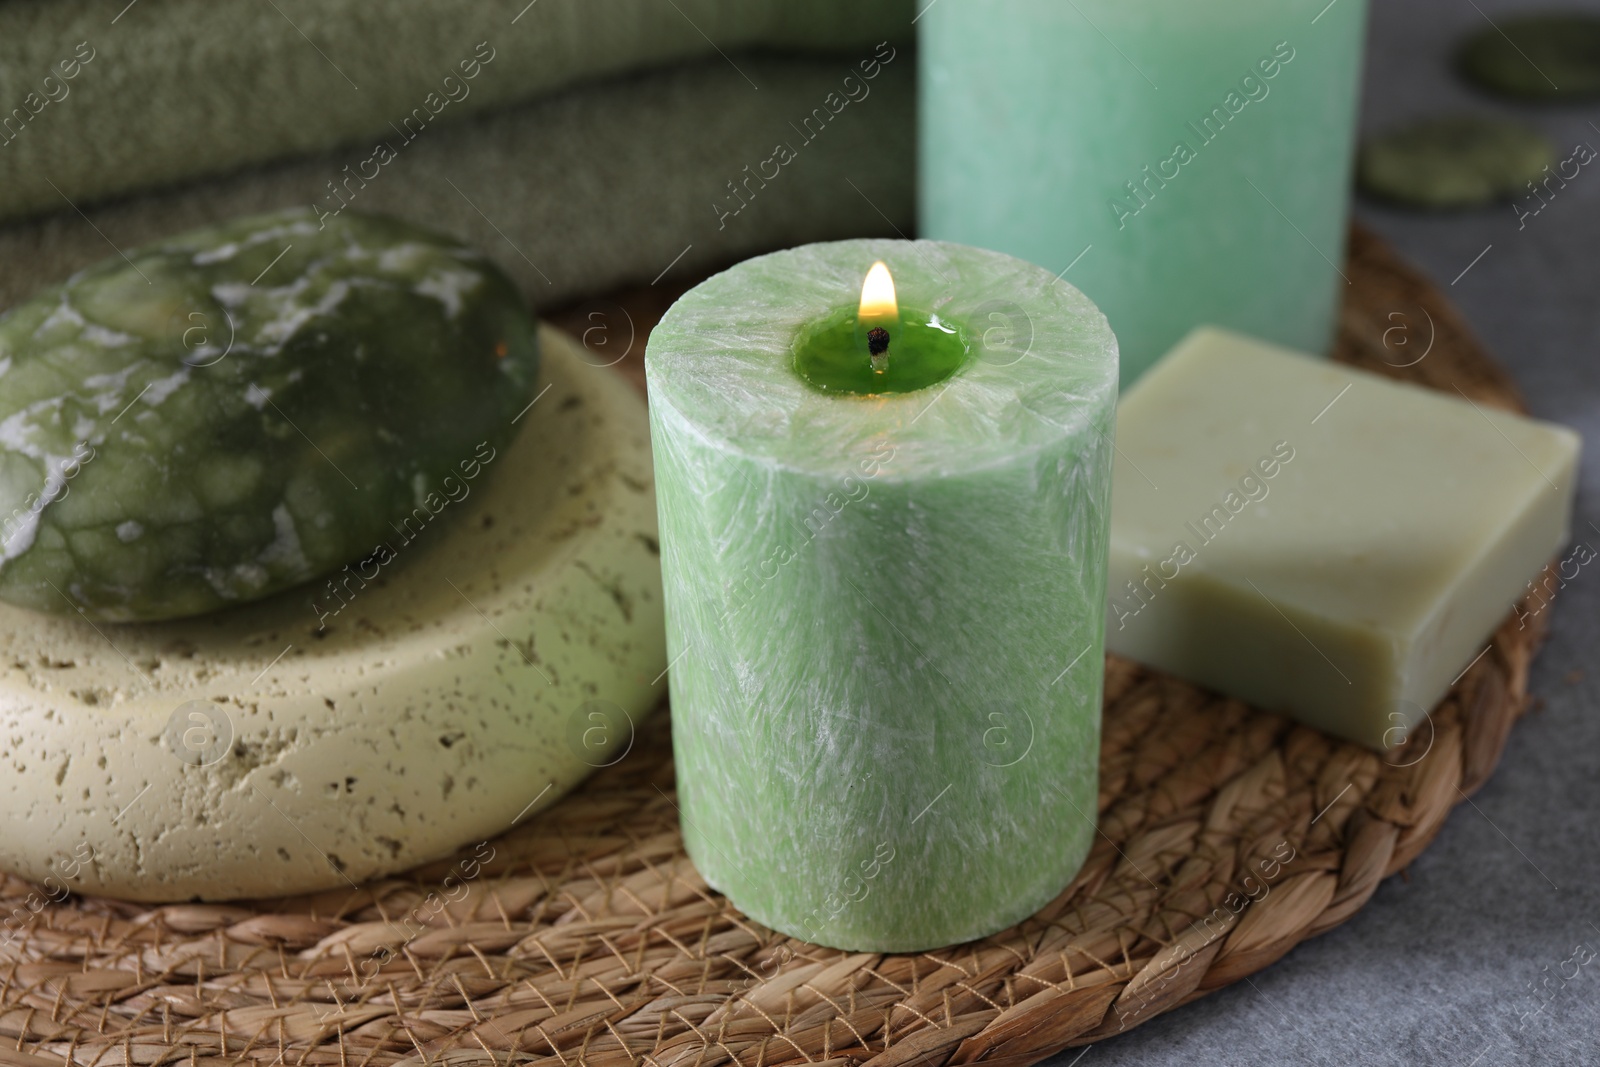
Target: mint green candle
(884, 559)
(1196, 156)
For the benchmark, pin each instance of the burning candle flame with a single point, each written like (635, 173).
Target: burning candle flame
(878, 303)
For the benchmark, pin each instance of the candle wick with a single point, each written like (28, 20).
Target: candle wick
(877, 341)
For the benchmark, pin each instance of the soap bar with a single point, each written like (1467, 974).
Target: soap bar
(1321, 541)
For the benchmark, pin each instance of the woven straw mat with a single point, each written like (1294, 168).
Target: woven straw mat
(589, 939)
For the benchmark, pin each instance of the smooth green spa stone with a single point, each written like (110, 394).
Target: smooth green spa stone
(885, 612)
(242, 408)
(1455, 161)
(1552, 56)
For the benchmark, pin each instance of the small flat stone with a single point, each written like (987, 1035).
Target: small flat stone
(239, 409)
(1549, 56)
(1455, 161)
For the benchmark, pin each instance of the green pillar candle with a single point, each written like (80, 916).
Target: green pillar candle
(1195, 155)
(885, 586)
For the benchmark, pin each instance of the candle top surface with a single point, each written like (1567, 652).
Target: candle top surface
(901, 351)
(1041, 359)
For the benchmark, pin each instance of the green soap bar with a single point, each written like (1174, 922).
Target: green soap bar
(1320, 541)
(239, 409)
(885, 612)
(1552, 56)
(1453, 162)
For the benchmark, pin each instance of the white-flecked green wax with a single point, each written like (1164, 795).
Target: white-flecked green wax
(885, 614)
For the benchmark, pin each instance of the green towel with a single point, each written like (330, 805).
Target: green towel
(595, 188)
(98, 99)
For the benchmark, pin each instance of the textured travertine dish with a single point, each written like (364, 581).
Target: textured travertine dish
(345, 730)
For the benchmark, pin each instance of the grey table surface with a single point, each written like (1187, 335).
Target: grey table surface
(1475, 958)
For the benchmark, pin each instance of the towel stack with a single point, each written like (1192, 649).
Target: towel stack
(584, 146)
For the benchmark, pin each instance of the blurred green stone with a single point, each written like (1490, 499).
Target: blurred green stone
(1456, 161)
(1551, 56)
(240, 409)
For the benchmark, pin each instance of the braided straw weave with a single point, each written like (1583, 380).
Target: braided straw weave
(1227, 836)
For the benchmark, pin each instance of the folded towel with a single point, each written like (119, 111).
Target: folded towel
(625, 182)
(96, 103)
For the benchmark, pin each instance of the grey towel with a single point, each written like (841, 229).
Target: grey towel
(103, 98)
(659, 174)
